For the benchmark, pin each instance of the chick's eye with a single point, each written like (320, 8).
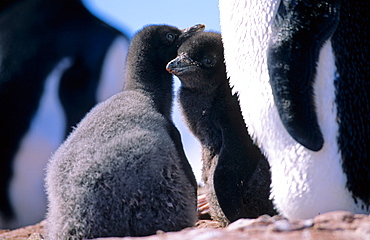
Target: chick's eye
(207, 62)
(170, 37)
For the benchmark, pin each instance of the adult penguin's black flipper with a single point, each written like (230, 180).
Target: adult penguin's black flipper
(299, 30)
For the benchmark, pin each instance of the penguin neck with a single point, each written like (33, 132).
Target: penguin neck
(204, 109)
(153, 82)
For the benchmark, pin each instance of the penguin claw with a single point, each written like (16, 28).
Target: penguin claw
(203, 205)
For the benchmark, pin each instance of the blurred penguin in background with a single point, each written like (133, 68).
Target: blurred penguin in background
(56, 62)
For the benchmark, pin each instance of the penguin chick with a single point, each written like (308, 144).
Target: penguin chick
(123, 171)
(235, 172)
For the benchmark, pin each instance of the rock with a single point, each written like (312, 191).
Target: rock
(34, 232)
(339, 225)
(36, 236)
(343, 221)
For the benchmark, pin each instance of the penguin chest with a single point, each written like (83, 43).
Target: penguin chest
(304, 182)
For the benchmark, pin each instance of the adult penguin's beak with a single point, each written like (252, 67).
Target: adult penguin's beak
(188, 32)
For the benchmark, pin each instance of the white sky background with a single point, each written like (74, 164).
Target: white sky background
(130, 16)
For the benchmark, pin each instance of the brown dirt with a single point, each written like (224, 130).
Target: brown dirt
(339, 225)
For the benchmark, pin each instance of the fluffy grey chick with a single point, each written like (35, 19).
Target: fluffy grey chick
(235, 172)
(123, 171)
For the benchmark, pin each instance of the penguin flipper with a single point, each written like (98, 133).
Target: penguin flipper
(237, 162)
(298, 33)
(229, 187)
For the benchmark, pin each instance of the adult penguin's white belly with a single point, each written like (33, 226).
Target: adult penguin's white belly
(309, 171)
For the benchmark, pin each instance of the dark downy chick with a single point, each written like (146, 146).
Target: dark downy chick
(123, 171)
(235, 172)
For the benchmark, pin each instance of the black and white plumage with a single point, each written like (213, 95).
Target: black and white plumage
(236, 174)
(123, 171)
(301, 69)
(57, 61)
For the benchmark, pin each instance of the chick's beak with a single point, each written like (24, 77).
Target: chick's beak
(181, 64)
(187, 32)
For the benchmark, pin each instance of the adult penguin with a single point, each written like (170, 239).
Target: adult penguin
(301, 68)
(123, 170)
(57, 61)
(235, 172)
